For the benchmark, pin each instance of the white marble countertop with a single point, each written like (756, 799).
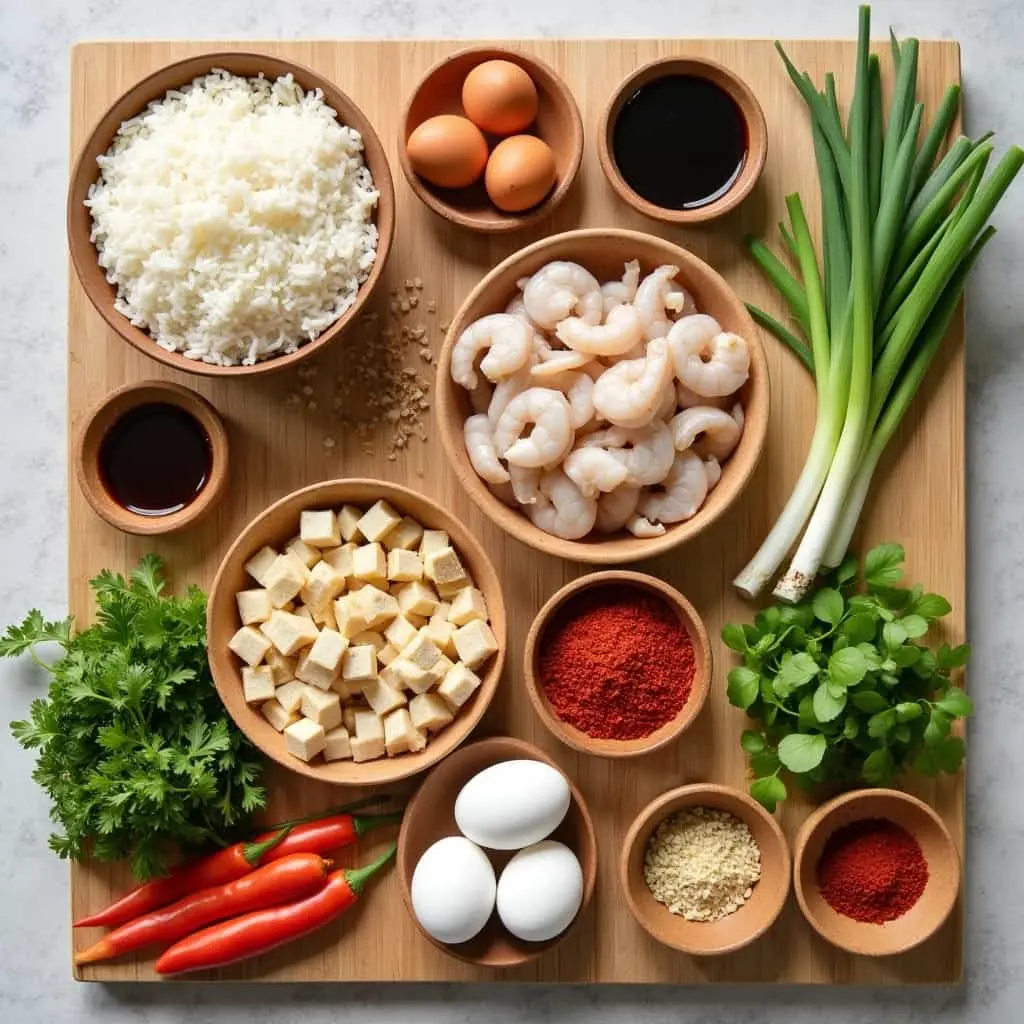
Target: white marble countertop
(35, 36)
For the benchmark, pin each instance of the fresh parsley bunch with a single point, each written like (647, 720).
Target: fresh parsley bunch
(135, 748)
(842, 690)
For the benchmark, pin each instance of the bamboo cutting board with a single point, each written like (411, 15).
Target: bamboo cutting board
(279, 443)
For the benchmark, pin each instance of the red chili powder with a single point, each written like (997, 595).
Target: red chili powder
(872, 870)
(616, 663)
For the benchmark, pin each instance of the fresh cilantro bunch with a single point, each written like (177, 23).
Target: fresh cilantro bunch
(135, 748)
(841, 689)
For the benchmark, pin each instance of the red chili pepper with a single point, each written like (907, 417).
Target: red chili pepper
(292, 878)
(326, 834)
(264, 930)
(218, 869)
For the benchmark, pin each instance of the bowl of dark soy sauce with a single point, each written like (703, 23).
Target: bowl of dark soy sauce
(683, 140)
(152, 457)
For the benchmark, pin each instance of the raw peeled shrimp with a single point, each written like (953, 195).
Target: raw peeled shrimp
(667, 405)
(507, 340)
(656, 294)
(639, 526)
(561, 509)
(525, 482)
(559, 290)
(616, 508)
(711, 363)
(713, 471)
(646, 452)
(618, 334)
(552, 435)
(615, 293)
(594, 470)
(628, 393)
(708, 431)
(578, 388)
(506, 390)
(517, 308)
(479, 437)
(684, 491)
(686, 399)
(558, 361)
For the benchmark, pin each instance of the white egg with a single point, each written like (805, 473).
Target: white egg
(540, 891)
(453, 889)
(512, 804)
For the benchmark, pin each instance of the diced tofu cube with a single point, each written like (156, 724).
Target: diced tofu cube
(289, 695)
(250, 645)
(404, 566)
(368, 749)
(260, 563)
(336, 745)
(277, 716)
(433, 675)
(467, 606)
(321, 664)
(399, 632)
(417, 621)
(348, 717)
(421, 651)
(288, 607)
(440, 631)
(378, 607)
(359, 664)
(411, 676)
(319, 528)
(443, 567)
(449, 591)
(405, 535)
(417, 598)
(345, 690)
(324, 585)
(306, 554)
(340, 559)
(374, 639)
(313, 674)
(368, 724)
(257, 684)
(289, 633)
(322, 707)
(387, 654)
(429, 712)
(285, 579)
(400, 735)
(305, 739)
(349, 616)
(382, 698)
(380, 518)
(475, 643)
(389, 676)
(369, 563)
(324, 617)
(297, 561)
(282, 667)
(303, 612)
(253, 606)
(348, 523)
(458, 685)
(433, 540)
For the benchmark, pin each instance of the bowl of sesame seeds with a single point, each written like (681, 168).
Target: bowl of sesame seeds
(705, 869)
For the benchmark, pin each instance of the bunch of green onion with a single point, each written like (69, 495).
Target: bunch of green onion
(900, 234)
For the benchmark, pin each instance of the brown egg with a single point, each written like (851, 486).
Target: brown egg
(448, 151)
(520, 173)
(499, 97)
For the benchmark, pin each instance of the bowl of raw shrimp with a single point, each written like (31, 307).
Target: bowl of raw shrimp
(603, 395)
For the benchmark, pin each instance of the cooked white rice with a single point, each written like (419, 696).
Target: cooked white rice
(234, 217)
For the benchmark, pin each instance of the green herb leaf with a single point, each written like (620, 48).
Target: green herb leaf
(956, 703)
(879, 725)
(752, 742)
(938, 726)
(796, 670)
(769, 792)
(734, 638)
(868, 701)
(764, 762)
(826, 705)
(847, 666)
(878, 767)
(907, 711)
(931, 606)
(859, 628)
(847, 571)
(953, 657)
(893, 636)
(883, 566)
(914, 625)
(905, 656)
(828, 606)
(802, 753)
(851, 727)
(951, 752)
(743, 687)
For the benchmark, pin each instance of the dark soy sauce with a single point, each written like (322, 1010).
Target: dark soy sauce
(680, 142)
(155, 460)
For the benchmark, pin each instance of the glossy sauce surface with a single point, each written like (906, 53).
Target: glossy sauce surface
(680, 142)
(155, 460)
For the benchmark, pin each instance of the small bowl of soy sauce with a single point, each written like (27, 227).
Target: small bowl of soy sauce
(152, 457)
(683, 140)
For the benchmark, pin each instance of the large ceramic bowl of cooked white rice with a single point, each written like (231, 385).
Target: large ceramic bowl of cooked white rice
(230, 214)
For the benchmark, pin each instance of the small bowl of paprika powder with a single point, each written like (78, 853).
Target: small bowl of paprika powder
(876, 871)
(617, 664)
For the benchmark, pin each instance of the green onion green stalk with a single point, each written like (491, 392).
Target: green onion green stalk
(900, 234)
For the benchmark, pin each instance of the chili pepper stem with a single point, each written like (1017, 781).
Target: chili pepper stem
(358, 877)
(367, 823)
(356, 805)
(253, 852)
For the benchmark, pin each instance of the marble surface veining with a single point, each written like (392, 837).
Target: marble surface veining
(35, 36)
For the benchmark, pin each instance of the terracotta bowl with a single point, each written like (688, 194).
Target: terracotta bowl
(430, 816)
(99, 420)
(918, 923)
(558, 123)
(691, 622)
(603, 251)
(275, 526)
(744, 98)
(707, 938)
(79, 222)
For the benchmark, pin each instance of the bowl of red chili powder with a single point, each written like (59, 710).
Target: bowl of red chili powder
(617, 664)
(876, 871)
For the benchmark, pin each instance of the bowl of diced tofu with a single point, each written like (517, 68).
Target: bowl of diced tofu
(356, 632)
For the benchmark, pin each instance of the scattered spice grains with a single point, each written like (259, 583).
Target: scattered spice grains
(872, 870)
(702, 863)
(616, 662)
